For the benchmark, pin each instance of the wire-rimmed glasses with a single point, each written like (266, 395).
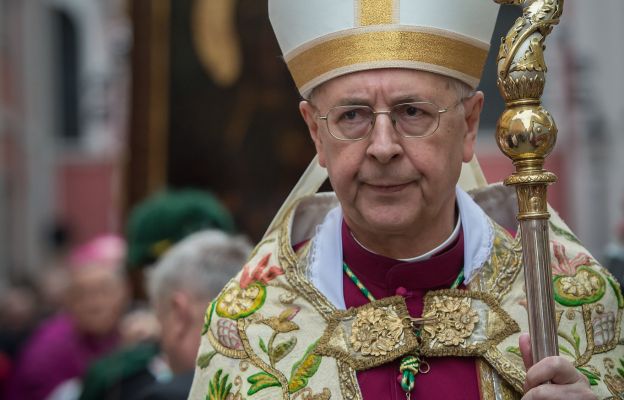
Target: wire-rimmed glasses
(412, 120)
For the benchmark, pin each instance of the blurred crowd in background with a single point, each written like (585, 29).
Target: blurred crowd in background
(89, 329)
(145, 144)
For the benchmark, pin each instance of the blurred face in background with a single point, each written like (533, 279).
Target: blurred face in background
(96, 298)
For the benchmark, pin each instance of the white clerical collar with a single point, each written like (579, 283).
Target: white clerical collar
(325, 263)
(438, 249)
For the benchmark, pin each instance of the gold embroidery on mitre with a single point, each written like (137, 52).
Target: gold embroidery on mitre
(370, 335)
(422, 49)
(464, 323)
(376, 12)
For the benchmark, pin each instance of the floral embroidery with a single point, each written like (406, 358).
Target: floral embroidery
(246, 296)
(377, 331)
(219, 387)
(260, 273)
(236, 302)
(281, 324)
(613, 380)
(585, 287)
(565, 266)
(455, 321)
(604, 328)
(301, 372)
(573, 339)
(575, 283)
(227, 332)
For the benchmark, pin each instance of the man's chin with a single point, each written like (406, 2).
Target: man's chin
(388, 223)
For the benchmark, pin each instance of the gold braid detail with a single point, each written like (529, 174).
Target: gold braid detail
(294, 268)
(510, 372)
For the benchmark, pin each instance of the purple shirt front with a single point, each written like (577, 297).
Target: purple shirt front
(449, 377)
(55, 353)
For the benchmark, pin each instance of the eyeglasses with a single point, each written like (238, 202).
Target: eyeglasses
(412, 120)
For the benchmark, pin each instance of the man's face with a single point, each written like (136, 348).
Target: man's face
(386, 183)
(96, 299)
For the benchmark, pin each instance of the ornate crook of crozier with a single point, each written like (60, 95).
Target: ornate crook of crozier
(526, 133)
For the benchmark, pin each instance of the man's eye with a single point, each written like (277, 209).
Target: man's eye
(411, 111)
(351, 115)
(354, 115)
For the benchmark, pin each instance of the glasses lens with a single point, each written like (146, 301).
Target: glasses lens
(416, 119)
(350, 122)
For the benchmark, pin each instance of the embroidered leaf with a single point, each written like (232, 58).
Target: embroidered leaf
(261, 380)
(304, 369)
(592, 377)
(562, 232)
(219, 388)
(208, 317)
(281, 350)
(565, 350)
(620, 370)
(263, 346)
(514, 350)
(577, 338)
(204, 360)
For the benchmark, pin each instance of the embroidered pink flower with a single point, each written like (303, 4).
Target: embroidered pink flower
(227, 333)
(563, 265)
(260, 273)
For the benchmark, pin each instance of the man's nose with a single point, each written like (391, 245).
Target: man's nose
(384, 142)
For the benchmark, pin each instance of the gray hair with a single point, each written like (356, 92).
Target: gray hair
(200, 265)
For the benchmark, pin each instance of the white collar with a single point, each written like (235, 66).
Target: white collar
(325, 269)
(425, 256)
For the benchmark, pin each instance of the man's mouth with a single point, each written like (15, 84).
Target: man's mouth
(387, 187)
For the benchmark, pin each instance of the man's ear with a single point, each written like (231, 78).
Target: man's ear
(308, 112)
(180, 309)
(472, 113)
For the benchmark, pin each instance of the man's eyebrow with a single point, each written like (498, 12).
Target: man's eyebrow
(409, 98)
(353, 101)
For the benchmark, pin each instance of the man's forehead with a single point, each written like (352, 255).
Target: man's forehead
(391, 84)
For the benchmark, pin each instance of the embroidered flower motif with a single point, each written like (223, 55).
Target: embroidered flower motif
(455, 321)
(565, 266)
(227, 333)
(376, 331)
(247, 296)
(283, 322)
(260, 273)
(604, 328)
(584, 287)
(236, 302)
(582, 284)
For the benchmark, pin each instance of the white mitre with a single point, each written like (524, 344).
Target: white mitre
(323, 39)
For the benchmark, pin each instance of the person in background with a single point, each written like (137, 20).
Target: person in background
(153, 227)
(61, 348)
(18, 318)
(180, 287)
